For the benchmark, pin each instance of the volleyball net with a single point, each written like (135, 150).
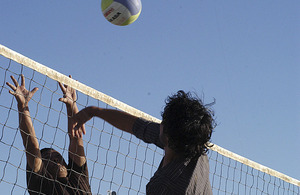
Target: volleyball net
(116, 160)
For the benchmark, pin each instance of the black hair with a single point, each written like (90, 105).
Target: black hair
(45, 150)
(188, 124)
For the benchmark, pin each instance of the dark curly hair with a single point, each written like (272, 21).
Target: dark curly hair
(188, 124)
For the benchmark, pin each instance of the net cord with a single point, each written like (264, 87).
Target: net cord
(53, 74)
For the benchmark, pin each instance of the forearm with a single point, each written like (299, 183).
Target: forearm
(27, 129)
(118, 119)
(76, 147)
(72, 109)
(30, 141)
(76, 151)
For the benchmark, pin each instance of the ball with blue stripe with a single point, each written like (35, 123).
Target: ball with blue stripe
(121, 12)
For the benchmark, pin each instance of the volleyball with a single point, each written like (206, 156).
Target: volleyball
(121, 12)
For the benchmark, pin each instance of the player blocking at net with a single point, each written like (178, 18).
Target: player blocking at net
(47, 172)
(183, 134)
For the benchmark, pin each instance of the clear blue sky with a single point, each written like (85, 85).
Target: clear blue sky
(245, 54)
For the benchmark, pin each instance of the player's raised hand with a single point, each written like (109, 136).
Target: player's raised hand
(69, 94)
(22, 95)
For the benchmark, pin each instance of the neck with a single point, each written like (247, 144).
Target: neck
(170, 155)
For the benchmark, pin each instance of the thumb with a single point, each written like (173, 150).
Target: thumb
(34, 90)
(62, 100)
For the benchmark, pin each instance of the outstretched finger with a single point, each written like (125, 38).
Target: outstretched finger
(15, 81)
(22, 80)
(63, 89)
(34, 90)
(83, 129)
(11, 86)
(12, 92)
(78, 134)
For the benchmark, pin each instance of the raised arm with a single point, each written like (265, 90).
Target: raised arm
(76, 147)
(30, 142)
(118, 119)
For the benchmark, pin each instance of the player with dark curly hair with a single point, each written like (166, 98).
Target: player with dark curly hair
(184, 134)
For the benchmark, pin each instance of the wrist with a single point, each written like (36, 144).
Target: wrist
(23, 108)
(22, 105)
(71, 108)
